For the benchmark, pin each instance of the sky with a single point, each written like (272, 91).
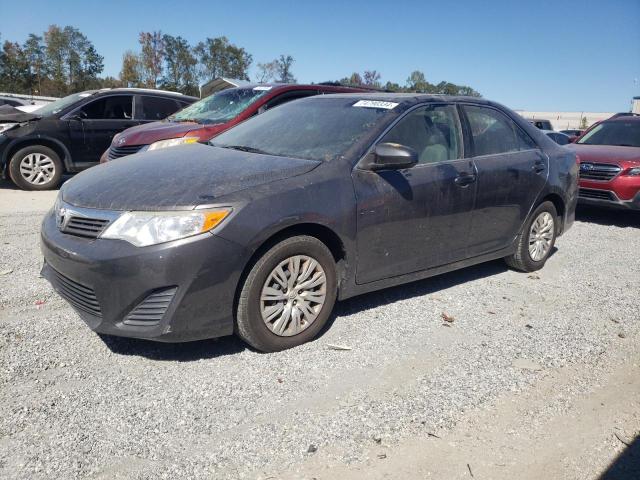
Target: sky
(540, 55)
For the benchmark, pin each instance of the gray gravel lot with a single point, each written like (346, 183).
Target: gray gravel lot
(75, 405)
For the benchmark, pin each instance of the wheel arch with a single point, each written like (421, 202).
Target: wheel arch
(55, 145)
(323, 233)
(559, 204)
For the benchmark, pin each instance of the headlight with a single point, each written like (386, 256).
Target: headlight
(150, 228)
(635, 171)
(7, 126)
(172, 142)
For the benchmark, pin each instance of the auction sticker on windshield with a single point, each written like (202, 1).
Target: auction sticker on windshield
(375, 104)
(262, 87)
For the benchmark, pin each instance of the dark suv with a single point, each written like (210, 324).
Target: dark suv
(320, 199)
(69, 134)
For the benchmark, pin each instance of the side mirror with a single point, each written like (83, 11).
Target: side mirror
(392, 156)
(79, 116)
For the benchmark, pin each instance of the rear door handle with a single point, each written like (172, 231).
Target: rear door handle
(538, 167)
(465, 179)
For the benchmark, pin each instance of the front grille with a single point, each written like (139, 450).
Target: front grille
(599, 171)
(84, 226)
(80, 296)
(596, 194)
(117, 152)
(151, 310)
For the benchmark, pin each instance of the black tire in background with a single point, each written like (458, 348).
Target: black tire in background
(45, 164)
(522, 259)
(250, 325)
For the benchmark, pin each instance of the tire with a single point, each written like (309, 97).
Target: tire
(523, 259)
(44, 164)
(283, 331)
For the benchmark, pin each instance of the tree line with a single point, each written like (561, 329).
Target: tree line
(63, 60)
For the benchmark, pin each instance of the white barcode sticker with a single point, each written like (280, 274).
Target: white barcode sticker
(375, 104)
(262, 87)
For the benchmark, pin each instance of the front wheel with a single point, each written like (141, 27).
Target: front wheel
(36, 168)
(536, 240)
(288, 295)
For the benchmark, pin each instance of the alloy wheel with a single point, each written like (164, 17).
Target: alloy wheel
(37, 168)
(293, 295)
(541, 236)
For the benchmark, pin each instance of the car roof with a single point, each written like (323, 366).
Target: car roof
(303, 86)
(623, 117)
(410, 98)
(140, 90)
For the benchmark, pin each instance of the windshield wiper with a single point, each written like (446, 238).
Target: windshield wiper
(243, 148)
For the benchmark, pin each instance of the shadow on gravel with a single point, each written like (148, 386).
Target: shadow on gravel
(174, 352)
(627, 465)
(416, 289)
(608, 216)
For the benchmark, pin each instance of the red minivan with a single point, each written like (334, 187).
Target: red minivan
(211, 116)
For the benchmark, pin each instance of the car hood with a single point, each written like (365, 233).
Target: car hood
(155, 131)
(605, 153)
(9, 114)
(177, 178)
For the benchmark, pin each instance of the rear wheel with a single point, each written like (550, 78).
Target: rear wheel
(288, 295)
(536, 240)
(35, 168)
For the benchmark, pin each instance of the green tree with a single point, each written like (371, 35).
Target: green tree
(14, 69)
(56, 48)
(181, 65)
(284, 63)
(372, 78)
(416, 82)
(130, 74)
(584, 124)
(35, 52)
(151, 57)
(219, 58)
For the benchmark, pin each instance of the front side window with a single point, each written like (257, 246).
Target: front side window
(117, 107)
(432, 131)
(220, 107)
(494, 133)
(625, 134)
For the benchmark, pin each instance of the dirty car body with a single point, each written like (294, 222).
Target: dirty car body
(459, 205)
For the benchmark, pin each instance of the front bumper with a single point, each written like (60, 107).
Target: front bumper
(607, 198)
(173, 292)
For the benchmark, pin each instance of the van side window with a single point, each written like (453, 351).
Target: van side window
(493, 132)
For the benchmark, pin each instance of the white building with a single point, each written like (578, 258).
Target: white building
(568, 120)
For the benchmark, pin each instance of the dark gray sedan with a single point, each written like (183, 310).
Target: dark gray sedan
(317, 200)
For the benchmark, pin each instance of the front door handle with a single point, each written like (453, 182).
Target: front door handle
(465, 179)
(538, 167)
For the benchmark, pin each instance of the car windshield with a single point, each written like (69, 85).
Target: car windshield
(625, 134)
(220, 107)
(60, 104)
(315, 129)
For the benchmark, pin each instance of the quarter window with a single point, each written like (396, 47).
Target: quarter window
(432, 131)
(494, 133)
(117, 107)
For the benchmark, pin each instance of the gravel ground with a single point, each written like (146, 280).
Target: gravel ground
(75, 405)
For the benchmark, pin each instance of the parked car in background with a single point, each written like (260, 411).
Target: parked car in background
(322, 198)
(573, 134)
(69, 134)
(13, 101)
(610, 163)
(558, 137)
(541, 123)
(211, 116)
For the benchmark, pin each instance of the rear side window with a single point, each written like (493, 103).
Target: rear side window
(494, 133)
(432, 131)
(155, 108)
(289, 96)
(117, 107)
